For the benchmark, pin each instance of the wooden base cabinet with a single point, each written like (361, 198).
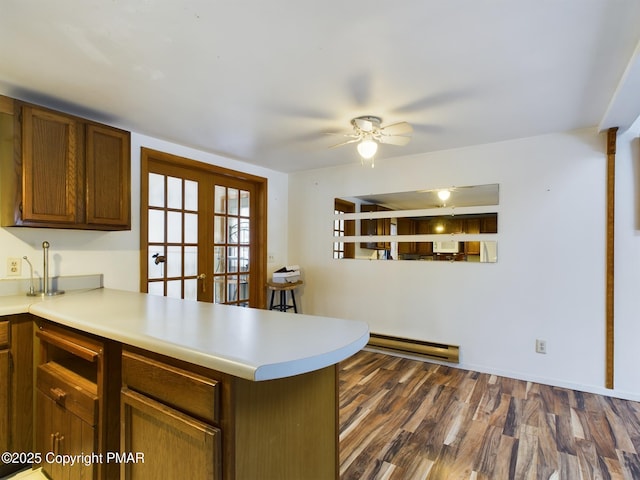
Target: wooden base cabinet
(16, 388)
(171, 416)
(193, 422)
(5, 387)
(77, 403)
(5, 393)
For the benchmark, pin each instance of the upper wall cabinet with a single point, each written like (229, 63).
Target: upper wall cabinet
(62, 171)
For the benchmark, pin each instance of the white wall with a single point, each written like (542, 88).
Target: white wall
(549, 282)
(116, 254)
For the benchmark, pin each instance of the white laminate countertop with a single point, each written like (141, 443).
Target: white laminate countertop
(12, 304)
(245, 342)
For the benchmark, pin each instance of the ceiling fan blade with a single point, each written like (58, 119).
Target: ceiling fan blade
(400, 128)
(353, 140)
(394, 140)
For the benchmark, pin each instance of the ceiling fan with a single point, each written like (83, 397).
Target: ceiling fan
(368, 131)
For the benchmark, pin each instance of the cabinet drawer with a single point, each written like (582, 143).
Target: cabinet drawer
(70, 390)
(183, 390)
(4, 334)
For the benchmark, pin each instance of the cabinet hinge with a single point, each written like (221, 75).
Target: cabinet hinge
(10, 363)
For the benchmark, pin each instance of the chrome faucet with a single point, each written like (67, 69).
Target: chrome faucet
(32, 289)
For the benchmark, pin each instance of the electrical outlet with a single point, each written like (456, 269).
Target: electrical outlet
(14, 267)
(541, 346)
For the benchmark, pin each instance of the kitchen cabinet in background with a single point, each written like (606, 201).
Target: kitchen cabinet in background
(375, 226)
(473, 227)
(445, 225)
(62, 171)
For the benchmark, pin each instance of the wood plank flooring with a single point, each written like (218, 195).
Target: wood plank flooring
(407, 419)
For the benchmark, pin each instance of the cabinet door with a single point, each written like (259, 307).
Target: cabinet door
(47, 421)
(59, 432)
(49, 166)
(379, 226)
(107, 170)
(5, 389)
(174, 445)
(489, 224)
(472, 226)
(78, 438)
(406, 226)
(368, 226)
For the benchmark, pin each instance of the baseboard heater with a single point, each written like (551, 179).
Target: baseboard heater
(437, 351)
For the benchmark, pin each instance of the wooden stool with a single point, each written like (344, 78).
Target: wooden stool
(283, 288)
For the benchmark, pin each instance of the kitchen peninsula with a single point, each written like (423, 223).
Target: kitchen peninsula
(206, 391)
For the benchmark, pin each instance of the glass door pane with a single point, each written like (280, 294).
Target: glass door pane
(232, 243)
(172, 243)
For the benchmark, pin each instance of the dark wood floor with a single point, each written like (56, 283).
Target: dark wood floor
(406, 419)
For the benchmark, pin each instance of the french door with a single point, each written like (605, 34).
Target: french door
(203, 231)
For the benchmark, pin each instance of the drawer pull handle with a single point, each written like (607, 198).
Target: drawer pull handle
(68, 345)
(58, 394)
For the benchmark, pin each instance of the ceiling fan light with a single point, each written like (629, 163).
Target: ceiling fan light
(444, 194)
(367, 148)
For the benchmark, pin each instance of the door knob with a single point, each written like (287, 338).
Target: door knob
(202, 277)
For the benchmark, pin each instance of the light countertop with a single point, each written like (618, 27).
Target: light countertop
(12, 304)
(245, 342)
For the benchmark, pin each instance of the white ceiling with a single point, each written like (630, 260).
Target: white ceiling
(264, 82)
